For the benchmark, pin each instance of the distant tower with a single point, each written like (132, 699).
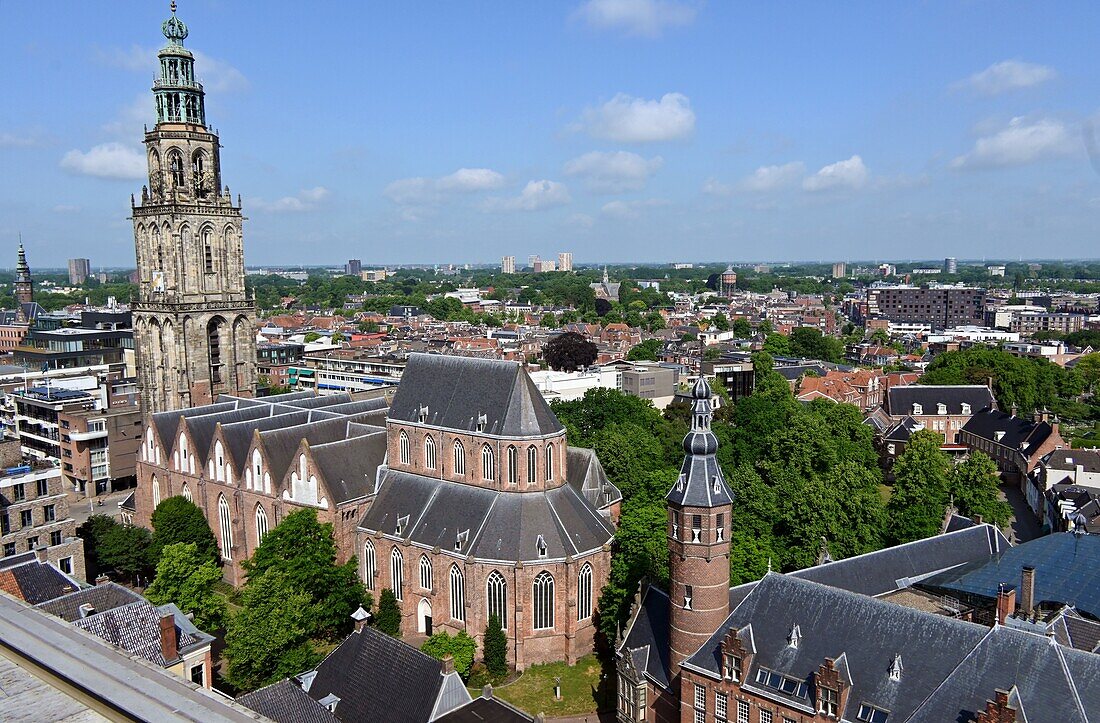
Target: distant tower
(194, 325)
(565, 261)
(24, 286)
(508, 265)
(728, 281)
(950, 265)
(699, 508)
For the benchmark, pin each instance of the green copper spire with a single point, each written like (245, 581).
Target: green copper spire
(179, 97)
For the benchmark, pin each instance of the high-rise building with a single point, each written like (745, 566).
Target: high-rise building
(840, 270)
(508, 265)
(24, 286)
(939, 306)
(194, 325)
(565, 261)
(532, 260)
(79, 271)
(950, 265)
(353, 267)
(543, 265)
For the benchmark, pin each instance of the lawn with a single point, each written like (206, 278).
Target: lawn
(533, 691)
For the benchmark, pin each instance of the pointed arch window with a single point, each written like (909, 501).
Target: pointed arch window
(261, 523)
(544, 601)
(584, 592)
(225, 527)
(397, 573)
(175, 169)
(186, 492)
(550, 462)
(425, 573)
(513, 465)
(370, 565)
(496, 596)
(156, 492)
(208, 250)
(532, 464)
(458, 594)
(460, 458)
(198, 169)
(429, 451)
(213, 338)
(403, 447)
(488, 463)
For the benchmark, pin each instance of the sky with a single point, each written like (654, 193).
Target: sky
(619, 130)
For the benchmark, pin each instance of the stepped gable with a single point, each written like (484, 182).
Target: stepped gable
(456, 390)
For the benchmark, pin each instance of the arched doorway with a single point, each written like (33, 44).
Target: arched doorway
(424, 617)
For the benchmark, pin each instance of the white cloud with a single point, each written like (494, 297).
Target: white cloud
(132, 118)
(107, 160)
(771, 178)
(1021, 141)
(135, 58)
(1007, 75)
(645, 18)
(218, 76)
(536, 195)
(613, 172)
(630, 209)
(625, 119)
(305, 200)
(19, 140)
(850, 173)
(713, 187)
(420, 191)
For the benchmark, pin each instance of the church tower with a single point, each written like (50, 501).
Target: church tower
(699, 507)
(24, 286)
(194, 325)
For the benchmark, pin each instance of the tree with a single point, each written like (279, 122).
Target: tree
(302, 549)
(809, 343)
(125, 549)
(654, 321)
(720, 322)
(548, 321)
(646, 351)
(1028, 383)
(310, 337)
(495, 648)
(880, 337)
(975, 490)
(569, 351)
(922, 475)
(712, 353)
(742, 329)
(777, 344)
(389, 614)
(461, 647)
(93, 532)
(602, 307)
(1088, 367)
(177, 519)
(268, 638)
(187, 577)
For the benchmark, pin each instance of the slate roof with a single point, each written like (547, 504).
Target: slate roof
(902, 430)
(102, 598)
(35, 582)
(379, 678)
(486, 710)
(349, 466)
(586, 475)
(286, 702)
(136, 629)
(1067, 570)
(647, 636)
(701, 482)
(1068, 459)
(1071, 629)
(900, 400)
(499, 525)
(456, 390)
(1019, 432)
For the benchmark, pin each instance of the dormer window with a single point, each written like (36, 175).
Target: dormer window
(999, 435)
(482, 420)
(540, 546)
(422, 414)
(460, 539)
(402, 523)
(870, 714)
(965, 408)
(828, 702)
(917, 408)
(716, 485)
(941, 408)
(731, 669)
(794, 637)
(896, 668)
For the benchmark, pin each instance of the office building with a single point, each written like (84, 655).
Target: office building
(950, 265)
(840, 270)
(565, 261)
(508, 265)
(79, 271)
(938, 306)
(354, 267)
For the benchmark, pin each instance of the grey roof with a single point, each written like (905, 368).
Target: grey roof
(456, 390)
(349, 466)
(701, 482)
(902, 430)
(281, 444)
(286, 702)
(1020, 433)
(40, 581)
(1071, 629)
(900, 400)
(136, 629)
(166, 423)
(585, 473)
(1069, 459)
(379, 678)
(486, 710)
(647, 636)
(498, 525)
(102, 598)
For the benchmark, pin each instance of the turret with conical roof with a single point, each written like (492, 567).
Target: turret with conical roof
(699, 508)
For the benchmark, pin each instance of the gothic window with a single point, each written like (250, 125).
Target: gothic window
(425, 573)
(175, 168)
(225, 528)
(532, 464)
(156, 492)
(828, 702)
(257, 469)
(496, 589)
(429, 452)
(397, 573)
(513, 465)
(198, 170)
(584, 592)
(208, 250)
(403, 447)
(549, 462)
(370, 565)
(544, 600)
(458, 594)
(488, 463)
(460, 458)
(186, 492)
(261, 523)
(213, 339)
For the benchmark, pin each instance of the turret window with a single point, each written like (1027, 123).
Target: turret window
(688, 597)
(549, 462)
(532, 464)
(720, 527)
(696, 528)
(403, 447)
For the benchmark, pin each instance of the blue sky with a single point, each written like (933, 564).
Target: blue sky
(620, 130)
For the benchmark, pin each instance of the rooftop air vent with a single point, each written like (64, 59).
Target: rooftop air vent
(896, 668)
(482, 420)
(794, 637)
(540, 545)
(460, 539)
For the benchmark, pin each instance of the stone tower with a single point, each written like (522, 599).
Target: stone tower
(24, 286)
(699, 507)
(194, 325)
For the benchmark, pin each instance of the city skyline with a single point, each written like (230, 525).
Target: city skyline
(648, 130)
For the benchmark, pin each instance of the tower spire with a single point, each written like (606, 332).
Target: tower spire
(179, 97)
(24, 284)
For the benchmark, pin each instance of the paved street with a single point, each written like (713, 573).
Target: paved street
(1024, 525)
(81, 509)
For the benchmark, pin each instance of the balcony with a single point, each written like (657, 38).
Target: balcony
(90, 434)
(175, 83)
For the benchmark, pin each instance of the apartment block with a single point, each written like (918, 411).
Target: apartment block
(34, 517)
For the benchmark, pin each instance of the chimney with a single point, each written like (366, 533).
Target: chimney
(487, 691)
(169, 645)
(1027, 589)
(40, 553)
(1006, 603)
(1014, 409)
(102, 579)
(448, 662)
(976, 519)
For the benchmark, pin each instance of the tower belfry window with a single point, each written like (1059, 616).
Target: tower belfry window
(175, 162)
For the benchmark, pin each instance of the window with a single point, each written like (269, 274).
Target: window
(720, 707)
(458, 594)
(55, 538)
(156, 492)
(25, 518)
(732, 668)
(397, 573)
(403, 444)
(675, 524)
(429, 452)
(513, 465)
(43, 487)
(32, 542)
(460, 458)
(425, 573)
(261, 523)
(687, 597)
(766, 716)
(5, 524)
(225, 527)
(488, 463)
(207, 251)
(18, 492)
(544, 600)
(370, 565)
(65, 565)
(213, 338)
(828, 701)
(742, 711)
(187, 492)
(871, 714)
(584, 592)
(198, 675)
(700, 697)
(782, 683)
(696, 527)
(9, 549)
(720, 527)
(549, 462)
(496, 589)
(532, 464)
(50, 512)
